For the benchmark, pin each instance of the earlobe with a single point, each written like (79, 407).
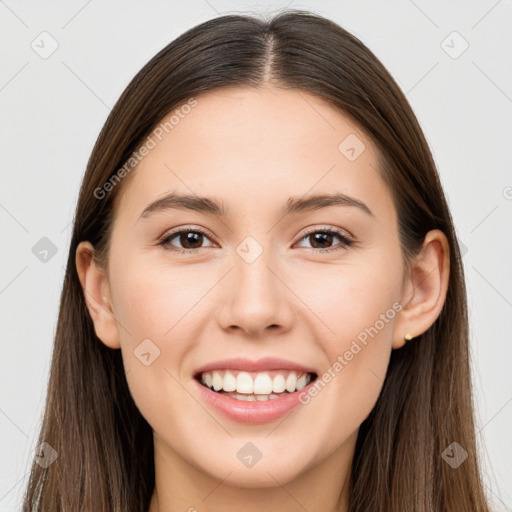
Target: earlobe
(425, 289)
(96, 293)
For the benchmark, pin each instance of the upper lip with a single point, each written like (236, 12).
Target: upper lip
(260, 365)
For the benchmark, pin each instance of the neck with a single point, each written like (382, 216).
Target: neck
(181, 486)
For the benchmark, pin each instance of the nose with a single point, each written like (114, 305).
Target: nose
(255, 298)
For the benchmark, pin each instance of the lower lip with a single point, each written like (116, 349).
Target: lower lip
(255, 412)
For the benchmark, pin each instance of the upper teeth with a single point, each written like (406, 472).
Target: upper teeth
(257, 383)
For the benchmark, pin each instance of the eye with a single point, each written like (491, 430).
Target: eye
(323, 237)
(190, 238)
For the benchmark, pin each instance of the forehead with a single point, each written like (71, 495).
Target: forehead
(245, 145)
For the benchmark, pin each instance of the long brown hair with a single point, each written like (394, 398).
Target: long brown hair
(104, 445)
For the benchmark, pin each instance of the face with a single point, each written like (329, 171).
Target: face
(319, 287)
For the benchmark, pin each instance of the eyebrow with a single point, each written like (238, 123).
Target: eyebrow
(218, 209)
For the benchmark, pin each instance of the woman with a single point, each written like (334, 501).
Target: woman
(264, 305)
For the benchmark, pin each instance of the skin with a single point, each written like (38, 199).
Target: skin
(253, 149)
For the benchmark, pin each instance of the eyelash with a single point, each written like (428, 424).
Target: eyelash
(345, 240)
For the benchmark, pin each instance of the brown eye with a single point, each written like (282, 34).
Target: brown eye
(322, 240)
(189, 239)
(319, 240)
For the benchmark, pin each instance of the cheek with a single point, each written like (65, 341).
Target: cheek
(156, 312)
(156, 301)
(357, 305)
(349, 299)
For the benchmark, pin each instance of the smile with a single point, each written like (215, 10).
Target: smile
(253, 392)
(252, 386)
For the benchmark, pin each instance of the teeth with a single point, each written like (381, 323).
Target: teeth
(278, 384)
(217, 381)
(259, 386)
(301, 382)
(262, 384)
(244, 383)
(252, 398)
(291, 382)
(229, 382)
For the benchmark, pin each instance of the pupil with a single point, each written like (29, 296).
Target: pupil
(322, 237)
(187, 238)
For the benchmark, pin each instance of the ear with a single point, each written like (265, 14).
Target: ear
(97, 295)
(425, 287)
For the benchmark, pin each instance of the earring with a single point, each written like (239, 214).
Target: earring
(408, 337)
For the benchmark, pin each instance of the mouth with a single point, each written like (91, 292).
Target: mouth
(251, 386)
(254, 392)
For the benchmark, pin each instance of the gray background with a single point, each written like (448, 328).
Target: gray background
(53, 108)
